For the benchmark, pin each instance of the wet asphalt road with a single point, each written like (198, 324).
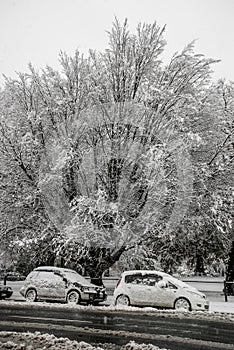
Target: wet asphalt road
(119, 327)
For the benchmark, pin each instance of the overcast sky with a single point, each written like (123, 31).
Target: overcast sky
(36, 30)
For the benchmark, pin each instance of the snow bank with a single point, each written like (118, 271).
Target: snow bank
(37, 340)
(220, 315)
(134, 346)
(30, 341)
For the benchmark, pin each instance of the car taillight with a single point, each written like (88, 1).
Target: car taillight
(118, 282)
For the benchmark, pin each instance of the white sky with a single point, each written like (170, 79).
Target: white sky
(36, 30)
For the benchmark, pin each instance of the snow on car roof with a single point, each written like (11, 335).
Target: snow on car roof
(53, 268)
(144, 272)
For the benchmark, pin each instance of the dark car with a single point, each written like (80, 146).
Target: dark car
(11, 276)
(55, 283)
(5, 291)
(15, 276)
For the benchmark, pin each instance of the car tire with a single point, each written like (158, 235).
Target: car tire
(31, 295)
(73, 297)
(182, 304)
(122, 300)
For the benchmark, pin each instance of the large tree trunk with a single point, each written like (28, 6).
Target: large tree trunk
(199, 268)
(96, 278)
(230, 266)
(100, 260)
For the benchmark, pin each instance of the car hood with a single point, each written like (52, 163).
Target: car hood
(193, 290)
(87, 285)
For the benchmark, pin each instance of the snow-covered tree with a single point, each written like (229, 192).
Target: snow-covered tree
(207, 227)
(104, 147)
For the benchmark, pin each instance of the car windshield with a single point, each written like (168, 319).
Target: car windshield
(75, 277)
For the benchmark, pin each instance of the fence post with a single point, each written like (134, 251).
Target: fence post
(225, 291)
(5, 280)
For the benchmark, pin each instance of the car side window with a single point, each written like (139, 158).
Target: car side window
(56, 277)
(49, 279)
(44, 276)
(133, 279)
(58, 280)
(151, 279)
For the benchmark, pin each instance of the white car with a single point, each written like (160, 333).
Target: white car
(56, 283)
(156, 288)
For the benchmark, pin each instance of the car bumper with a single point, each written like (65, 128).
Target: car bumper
(97, 297)
(201, 305)
(94, 297)
(22, 291)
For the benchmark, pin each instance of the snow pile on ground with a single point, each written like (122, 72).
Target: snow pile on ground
(39, 341)
(134, 346)
(30, 341)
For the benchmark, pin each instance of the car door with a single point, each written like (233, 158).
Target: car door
(152, 295)
(164, 293)
(157, 291)
(50, 285)
(58, 286)
(143, 289)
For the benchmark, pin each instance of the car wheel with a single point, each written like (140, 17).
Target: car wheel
(182, 304)
(122, 300)
(31, 295)
(73, 297)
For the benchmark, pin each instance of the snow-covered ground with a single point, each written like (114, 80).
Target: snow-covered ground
(38, 341)
(30, 341)
(221, 306)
